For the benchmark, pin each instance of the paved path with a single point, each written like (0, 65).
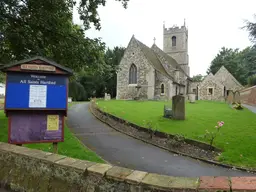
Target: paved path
(122, 150)
(252, 108)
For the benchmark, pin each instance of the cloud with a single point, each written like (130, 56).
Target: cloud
(211, 24)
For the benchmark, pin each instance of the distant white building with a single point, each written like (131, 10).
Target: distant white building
(2, 89)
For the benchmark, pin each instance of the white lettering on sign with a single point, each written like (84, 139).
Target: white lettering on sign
(38, 76)
(37, 79)
(35, 67)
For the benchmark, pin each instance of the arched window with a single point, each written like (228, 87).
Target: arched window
(133, 74)
(162, 88)
(173, 41)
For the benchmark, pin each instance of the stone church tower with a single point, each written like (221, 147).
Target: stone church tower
(175, 44)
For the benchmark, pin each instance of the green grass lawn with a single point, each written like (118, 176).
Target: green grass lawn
(70, 147)
(237, 137)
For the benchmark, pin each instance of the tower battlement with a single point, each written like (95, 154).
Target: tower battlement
(175, 44)
(175, 29)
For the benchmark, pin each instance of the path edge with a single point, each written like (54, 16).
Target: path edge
(73, 134)
(172, 151)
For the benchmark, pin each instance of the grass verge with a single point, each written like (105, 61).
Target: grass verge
(71, 146)
(236, 138)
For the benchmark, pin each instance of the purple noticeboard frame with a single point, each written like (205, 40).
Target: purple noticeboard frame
(32, 128)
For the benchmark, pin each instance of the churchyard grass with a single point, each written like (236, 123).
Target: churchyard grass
(70, 147)
(236, 138)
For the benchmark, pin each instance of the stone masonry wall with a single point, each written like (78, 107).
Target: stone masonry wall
(159, 80)
(24, 169)
(180, 51)
(145, 73)
(193, 85)
(224, 76)
(179, 76)
(248, 96)
(218, 90)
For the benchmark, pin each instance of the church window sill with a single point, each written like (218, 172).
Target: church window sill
(132, 85)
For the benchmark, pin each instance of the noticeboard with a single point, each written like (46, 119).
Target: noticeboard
(35, 128)
(31, 91)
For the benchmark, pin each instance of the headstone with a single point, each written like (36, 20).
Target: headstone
(167, 111)
(178, 107)
(230, 98)
(237, 97)
(138, 88)
(191, 97)
(107, 97)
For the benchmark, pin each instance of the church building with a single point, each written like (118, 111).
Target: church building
(216, 87)
(152, 73)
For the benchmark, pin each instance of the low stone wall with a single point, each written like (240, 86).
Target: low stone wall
(156, 133)
(24, 169)
(248, 96)
(187, 147)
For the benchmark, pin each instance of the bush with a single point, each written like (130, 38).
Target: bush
(237, 106)
(252, 80)
(176, 141)
(77, 91)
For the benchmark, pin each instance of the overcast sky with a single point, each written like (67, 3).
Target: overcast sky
(211, 24)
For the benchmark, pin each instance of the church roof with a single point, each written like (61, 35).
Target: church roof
(168, 58)
(226, 78)
(211, 77)
(153, 59)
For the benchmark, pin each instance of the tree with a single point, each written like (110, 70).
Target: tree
(251, 28)
(113, 58)
(233, 60)
(2, 77)
(77, 91)
(88, 11)
(226, 57)
(252, 80)
(197, 78)
(95, 83)
(45, 28)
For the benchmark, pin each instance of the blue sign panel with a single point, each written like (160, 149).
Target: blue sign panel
(28, 91)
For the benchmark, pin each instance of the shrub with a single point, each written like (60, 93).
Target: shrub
(211, 135)
(151, 129)
(252, 80)
(77, 91)
(176, 141)
(237, 106)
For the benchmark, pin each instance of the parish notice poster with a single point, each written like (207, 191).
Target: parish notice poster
(37, 96)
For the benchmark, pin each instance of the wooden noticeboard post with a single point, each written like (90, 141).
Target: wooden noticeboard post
(36, 101)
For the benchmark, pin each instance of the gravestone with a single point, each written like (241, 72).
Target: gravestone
(237, 97)
(138, 88)
(230, 98)
(191, 97)
(107, 97)
(167, 111)
(178, 107)
(70, 99)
